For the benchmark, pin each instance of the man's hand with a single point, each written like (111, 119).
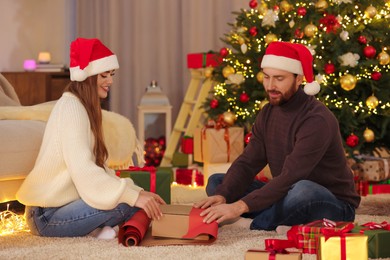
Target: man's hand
(210, 201)
(150, 202)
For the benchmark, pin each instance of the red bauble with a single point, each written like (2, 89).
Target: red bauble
(301, 11)
(298, 33)
(352, 140)
(161, 141)
(244, 97)
(376, 75)
(253, 4)
(214, 103)
(362, 39)
(247, 137)
(369, 52)
(223, 52)
(253, 31)
(276, 8)
(329, 68)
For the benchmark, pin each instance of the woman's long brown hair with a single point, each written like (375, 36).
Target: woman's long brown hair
(86, 91)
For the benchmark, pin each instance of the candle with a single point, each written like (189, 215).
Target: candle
(44, 57)
(29, 65)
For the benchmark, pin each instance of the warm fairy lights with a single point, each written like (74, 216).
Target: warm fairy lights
(11, 223)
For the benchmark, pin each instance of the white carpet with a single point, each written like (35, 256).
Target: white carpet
(232, 243)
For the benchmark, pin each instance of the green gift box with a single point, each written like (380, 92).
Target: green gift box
(181, 159)
(151, 179)
(378, 239)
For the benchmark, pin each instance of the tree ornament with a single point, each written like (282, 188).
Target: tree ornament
(349, 59)
(214, 103)
(329, 68)
(235, 78)
(228, 70)
(253, 4)
(244, 48)
(310, 30)
(253, 31)
(369, 51)
(376, 75)
(383, 58)
(369, 135)
(370, 12)
(208, 72)
(348, 82)
(269, 19)
(260, 76)
(291, 23)
(298, 33)
(224, 52)
(240, 40)
(344, 35)
(270, 37)
(301, 11)
(247, 137)
(229, 118)
(263, 103)
(321, 5)
(262, 8)
(352, 140)
(372, 102)
(362, 40)
(285, 6)
(244, 97)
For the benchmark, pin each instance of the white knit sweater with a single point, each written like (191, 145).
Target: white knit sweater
(65, 168)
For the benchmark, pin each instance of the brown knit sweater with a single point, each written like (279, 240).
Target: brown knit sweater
(300, 140)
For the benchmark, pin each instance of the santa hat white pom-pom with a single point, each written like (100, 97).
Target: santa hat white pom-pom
(312, 88)
(79, 75)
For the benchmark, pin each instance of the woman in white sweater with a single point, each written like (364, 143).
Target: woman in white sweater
(70, 191)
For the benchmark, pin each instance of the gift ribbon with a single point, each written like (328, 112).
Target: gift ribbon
(328, 233)
(220, 123)
(277, 246)
(152, 171)
(372, 226)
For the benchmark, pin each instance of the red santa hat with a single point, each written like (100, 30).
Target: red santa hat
(293, 57)
(90, 57)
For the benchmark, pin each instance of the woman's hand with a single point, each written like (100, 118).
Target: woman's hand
(150, 202)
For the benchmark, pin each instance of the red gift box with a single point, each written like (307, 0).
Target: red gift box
(203, 60)
(187, 145)
(379, 188)
(189, 177)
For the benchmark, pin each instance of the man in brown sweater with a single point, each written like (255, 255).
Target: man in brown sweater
(299, 138)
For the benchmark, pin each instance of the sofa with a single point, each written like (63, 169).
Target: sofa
(21, 133)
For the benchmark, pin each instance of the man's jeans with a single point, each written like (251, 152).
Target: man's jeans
(74, 219)
(306, 201)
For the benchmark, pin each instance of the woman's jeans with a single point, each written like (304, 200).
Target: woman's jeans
(74, 219)
(306, 201)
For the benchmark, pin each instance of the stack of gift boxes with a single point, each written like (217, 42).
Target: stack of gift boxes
(329, 240)
(372, 174)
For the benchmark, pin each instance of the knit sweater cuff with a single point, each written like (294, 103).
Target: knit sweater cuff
(130, 196)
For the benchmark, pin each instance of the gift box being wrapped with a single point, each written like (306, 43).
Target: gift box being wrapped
(257, 254)
(306, 236)
(378, 238)
(343, 247)
(203, 60)
(151, 179)
(373, 168)
(222, 145)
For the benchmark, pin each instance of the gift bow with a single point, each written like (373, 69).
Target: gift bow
(372, 226)
(152, 171)
(329, 232)
(277, 246)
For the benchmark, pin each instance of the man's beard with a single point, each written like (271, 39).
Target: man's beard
(283, 97)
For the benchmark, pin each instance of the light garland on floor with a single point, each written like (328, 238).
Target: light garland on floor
(11, 223)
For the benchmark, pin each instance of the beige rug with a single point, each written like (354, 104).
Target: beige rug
(232, 243)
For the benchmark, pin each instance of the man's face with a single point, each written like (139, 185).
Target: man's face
(280, 85)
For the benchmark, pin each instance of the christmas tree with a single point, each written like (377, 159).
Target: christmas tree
(350, 44)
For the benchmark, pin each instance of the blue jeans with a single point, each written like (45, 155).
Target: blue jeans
(306, 201)
(74, 219)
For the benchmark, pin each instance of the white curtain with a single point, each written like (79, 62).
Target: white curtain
(152, 39)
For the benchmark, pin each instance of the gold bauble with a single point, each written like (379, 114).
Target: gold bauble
(240, 40)
(348, 82)
(384, 58)
(208, 72)
(262, 8)
(370, 12)
(228, 70)
(372, 102)
(263, 103)
(310, 30)
(260, 76)
(270, 37)
(321, 5)
(229, 118)
(285, 6)
(368, 135)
